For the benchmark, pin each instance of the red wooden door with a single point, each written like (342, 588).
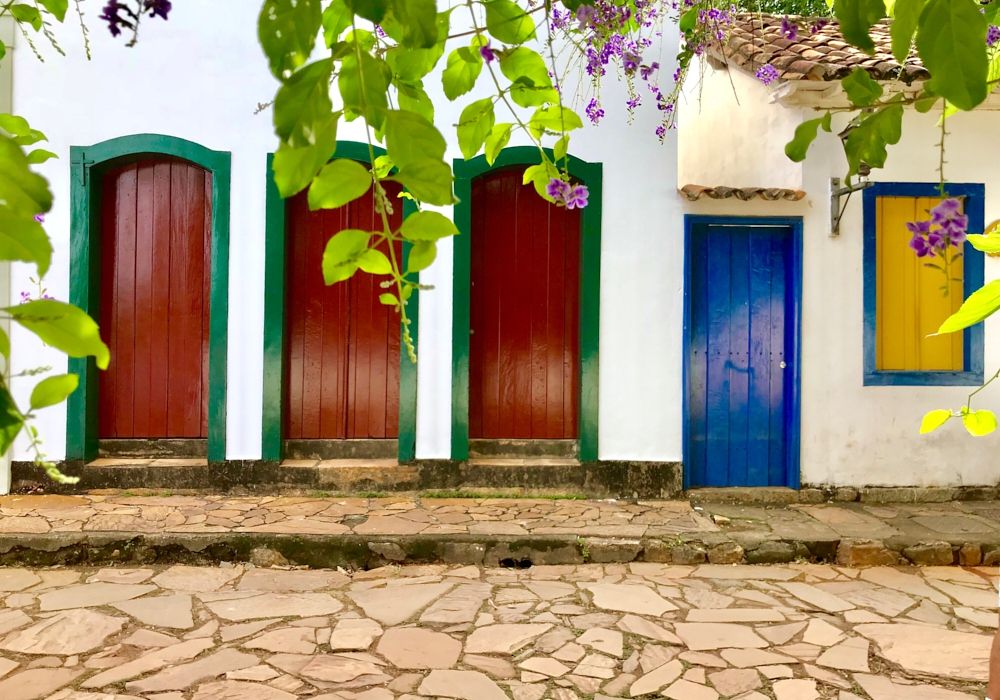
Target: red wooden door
(524, 351)
(342, 366)
(156, 246)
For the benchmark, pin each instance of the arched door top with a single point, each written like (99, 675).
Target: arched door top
(88, 165)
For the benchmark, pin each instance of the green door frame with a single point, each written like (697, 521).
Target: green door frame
(273, 416)
(88, 165)
(590, 174)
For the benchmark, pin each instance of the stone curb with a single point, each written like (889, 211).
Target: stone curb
(370, 551)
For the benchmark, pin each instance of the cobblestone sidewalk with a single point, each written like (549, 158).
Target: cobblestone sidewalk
(796, 632)
(965, 533)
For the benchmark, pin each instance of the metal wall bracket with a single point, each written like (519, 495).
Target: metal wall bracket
(836, 192)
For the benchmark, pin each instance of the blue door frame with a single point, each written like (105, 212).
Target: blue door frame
(793, 315)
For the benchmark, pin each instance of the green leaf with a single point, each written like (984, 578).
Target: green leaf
(412, 98)
(57, 8)
(555, 118)
(295, 168)
(29, 14)
(3, 50)
(856, 17)
(904, 24)
(375, 262)
(934, 420)
(979, 423)
(64, 327)
(22, 238)
(342, 254)
(992, 10)
(507, 22)
(474, 126)
(424, 226)
(540, 176)
(373, 10)
(363, 85)
(388, 299)
(4, 344)
(925, 101)
(495, 142)
(287, 31)
(22, 192)
(428, 180)
(339, 182)
(411, 65)
(689, 20)
(989, 243)
(40, 155)
(419, 22)
(302, 103)
(561, 148)
(867, 142)
(459, 76)
(337, 18)
(409, 138)
(532, 85)
(19, 129)
(980, 305)
(53, 390)
(861, 90)
(422, 254)
(951, 41)
(383, 164)
(11, 420)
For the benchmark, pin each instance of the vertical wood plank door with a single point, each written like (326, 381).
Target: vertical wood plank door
(739, 355)
(343, 346)
(524, 351)
(156, 247)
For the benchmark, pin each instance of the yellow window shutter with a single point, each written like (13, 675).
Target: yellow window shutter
(911, 302)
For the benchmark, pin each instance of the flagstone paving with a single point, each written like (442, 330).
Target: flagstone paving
(239, 632)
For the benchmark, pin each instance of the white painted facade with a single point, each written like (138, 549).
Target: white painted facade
(852, 435)
(200, 75)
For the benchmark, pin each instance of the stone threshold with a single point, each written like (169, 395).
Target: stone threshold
(603, 479)
(354, 551)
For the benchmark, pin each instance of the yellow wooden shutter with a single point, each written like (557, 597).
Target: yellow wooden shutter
(910, 303)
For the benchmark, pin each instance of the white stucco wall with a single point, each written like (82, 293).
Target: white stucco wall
(852, 434)
(200, 75)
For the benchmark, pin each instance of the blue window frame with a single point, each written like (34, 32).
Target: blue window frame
(973, 277)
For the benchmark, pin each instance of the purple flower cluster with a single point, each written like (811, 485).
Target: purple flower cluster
(113, 13)
(818, 26)
(992, 35)
(594, 111)
(567, 195)
(487, 53)
(767, 74)
(947, 226)
(789, 30)
(40, 218)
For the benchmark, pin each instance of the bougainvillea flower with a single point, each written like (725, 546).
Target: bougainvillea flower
(487, 53)
(789, 30)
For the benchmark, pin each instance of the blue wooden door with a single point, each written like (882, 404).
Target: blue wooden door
(741, 340)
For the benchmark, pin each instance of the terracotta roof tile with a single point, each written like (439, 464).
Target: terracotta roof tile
(695, 192)
(814, 55)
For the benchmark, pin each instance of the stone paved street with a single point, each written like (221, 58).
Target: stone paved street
(235, 632)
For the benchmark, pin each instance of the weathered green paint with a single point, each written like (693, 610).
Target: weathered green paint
(88, 165)
(590, 174)
(272, 437)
